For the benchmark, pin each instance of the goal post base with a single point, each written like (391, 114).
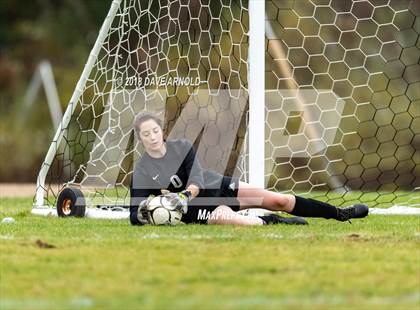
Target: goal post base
(395, 210)
(93, 213)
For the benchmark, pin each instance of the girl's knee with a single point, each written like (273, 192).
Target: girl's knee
(221, 215)
(286, 202)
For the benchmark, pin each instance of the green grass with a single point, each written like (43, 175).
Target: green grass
(373, 263)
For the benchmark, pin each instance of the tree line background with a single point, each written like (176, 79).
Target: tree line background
(62, 32)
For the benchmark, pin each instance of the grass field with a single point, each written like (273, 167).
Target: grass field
(53, 263)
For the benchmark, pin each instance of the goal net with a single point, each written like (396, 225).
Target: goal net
(342, 96)
(349, 129)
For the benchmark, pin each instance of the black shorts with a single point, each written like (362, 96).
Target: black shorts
(200, 208)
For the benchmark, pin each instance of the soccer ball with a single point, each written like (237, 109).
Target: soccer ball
(161, 212)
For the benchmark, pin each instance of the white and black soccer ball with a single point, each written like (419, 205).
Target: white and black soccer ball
(161, 212)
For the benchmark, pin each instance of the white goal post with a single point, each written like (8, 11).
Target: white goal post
(40, 192)
(310, 97)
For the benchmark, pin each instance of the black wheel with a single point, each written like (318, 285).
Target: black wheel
(71, 202)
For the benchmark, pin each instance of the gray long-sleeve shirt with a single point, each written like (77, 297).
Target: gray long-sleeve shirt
(175, 171)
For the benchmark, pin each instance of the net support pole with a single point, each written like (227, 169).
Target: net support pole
(256, 82)
(39, 198)
(53, 101)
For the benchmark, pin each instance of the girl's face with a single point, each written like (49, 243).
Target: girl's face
(151, 136)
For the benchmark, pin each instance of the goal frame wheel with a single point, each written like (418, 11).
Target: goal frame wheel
(71, 203)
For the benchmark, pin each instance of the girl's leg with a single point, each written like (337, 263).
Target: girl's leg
(223, 215)
(251, 197)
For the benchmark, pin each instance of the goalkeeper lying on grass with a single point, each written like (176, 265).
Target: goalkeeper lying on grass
(205, 196)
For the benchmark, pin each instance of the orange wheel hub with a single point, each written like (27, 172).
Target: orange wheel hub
(66, 206)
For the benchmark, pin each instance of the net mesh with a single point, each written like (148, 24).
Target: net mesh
(342, 97)
(186, 61)
(342, 83)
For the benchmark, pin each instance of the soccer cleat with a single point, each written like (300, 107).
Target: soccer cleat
(355, 211)
(277, 219)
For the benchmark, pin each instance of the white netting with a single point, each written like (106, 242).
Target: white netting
(342, 97)
(342, 88)
(184, 60)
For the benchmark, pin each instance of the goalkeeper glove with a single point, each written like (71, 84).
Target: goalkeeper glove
(142, 213)
(179, 200)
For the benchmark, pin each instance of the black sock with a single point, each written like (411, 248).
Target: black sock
(308, 207)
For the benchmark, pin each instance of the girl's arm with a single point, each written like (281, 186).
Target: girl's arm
(194, 170)
(140, 189)
(193, 189)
